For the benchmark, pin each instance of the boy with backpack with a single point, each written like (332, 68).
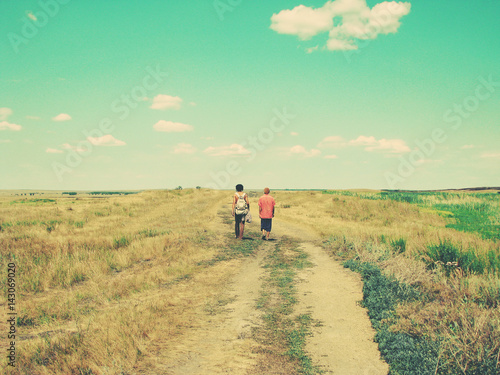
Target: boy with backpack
(241, 206)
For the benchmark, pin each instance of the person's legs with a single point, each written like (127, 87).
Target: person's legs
(237, 222)
(266, 228)
(242, 229)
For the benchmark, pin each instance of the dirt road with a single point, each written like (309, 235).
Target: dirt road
(220, 340)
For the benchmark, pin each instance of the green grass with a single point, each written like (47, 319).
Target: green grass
(412, 354)
(285, 335)
(467, 212)
(404, 353)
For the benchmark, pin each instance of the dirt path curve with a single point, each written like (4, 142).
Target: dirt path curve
(343, 344)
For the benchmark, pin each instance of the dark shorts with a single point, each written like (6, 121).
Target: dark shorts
(266, 224)
(239, 218)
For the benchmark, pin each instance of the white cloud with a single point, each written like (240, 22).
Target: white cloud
(67, 146)
(53, 151)
(62, 117)
(301, 150)
(311, 49)
(333, 141)
(31, 16)
(464, 147)
(354, 20)
(330, 156)
(232, 150)
(4, 125)
(294, 133)
(372, 144)
(184, 148)
(305, 22)
(491, 155)
(166, 102)
(171, 127)
(105, 140)
(5, 141)
(4, 113)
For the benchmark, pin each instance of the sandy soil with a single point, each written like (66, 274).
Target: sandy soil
(343, 343)
(220, 341)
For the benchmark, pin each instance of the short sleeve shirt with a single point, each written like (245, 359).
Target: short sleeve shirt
(267, 203)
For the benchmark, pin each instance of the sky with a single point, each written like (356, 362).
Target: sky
(156, 94)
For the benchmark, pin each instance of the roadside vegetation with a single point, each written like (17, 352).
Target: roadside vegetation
(430, 264)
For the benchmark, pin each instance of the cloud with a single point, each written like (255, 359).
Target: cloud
(311, 49)
(67, 146)
(105, 140)
(5, 141)
(346, 22)
(372, 144)
(184, 148)
(232, 150)
(301, 150)
(31, 15)
(305, 22)
(53, 151)
(294, 133)
(333, 141)
(491, 155)
(4, 113)
(62, 117)
(330, 156)
(4, 125)
(464, 147)
(172, 127)
(166, 102)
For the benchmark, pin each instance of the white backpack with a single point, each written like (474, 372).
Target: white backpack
(241, 205)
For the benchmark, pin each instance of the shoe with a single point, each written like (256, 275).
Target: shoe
(263, 237)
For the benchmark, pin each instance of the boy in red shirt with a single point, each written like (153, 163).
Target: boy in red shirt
(266, 213)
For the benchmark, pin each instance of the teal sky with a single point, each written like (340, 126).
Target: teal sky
(286, 94)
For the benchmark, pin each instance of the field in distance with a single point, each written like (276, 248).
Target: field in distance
(106, 283)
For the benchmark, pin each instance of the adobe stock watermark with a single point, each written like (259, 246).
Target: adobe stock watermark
(122, 108)
(223, 6)
(233, 168)
(34, 21)
(454, 116)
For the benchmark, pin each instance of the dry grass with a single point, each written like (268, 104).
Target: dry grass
(95, 275)
(461, 311)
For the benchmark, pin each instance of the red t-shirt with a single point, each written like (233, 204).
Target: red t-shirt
(267, 203)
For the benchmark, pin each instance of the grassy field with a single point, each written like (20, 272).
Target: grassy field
(94, 273)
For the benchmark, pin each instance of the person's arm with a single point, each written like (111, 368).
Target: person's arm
(246, 200)
(234, 203)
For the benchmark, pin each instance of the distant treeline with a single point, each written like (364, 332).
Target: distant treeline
(112, 192)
